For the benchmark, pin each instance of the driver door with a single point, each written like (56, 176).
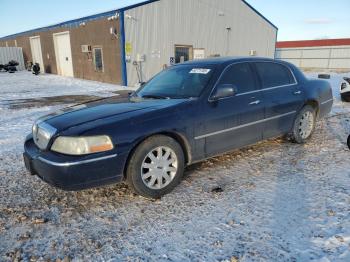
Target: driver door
(234, 121)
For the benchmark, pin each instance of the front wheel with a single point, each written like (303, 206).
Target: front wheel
(156, 167)
(304, 125)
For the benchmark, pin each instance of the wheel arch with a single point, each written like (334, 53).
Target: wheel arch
(314, 104)
(179, 138)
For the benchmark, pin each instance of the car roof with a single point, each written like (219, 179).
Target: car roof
(226, 60)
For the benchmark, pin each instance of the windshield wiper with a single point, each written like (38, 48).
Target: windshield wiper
(155, 97)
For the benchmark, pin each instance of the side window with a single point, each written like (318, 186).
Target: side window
(272, 74)
(98, 60)
(241, 76)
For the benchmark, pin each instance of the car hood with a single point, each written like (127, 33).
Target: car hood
(105, 108)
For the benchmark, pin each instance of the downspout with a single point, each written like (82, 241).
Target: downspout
(122, 48)
(276, 38)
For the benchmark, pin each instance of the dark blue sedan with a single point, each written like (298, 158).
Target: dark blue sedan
(185, 114)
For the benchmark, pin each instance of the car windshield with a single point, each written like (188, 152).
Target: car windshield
(177, 82)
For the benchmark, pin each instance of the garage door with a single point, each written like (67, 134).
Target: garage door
(37, 55)
(63, 54)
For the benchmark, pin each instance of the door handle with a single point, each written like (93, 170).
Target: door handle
(255, 102)
(297, 93)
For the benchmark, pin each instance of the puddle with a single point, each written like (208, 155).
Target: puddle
(54, 100)
(47, 101)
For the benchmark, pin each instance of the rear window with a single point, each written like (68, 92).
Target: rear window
(273, 74)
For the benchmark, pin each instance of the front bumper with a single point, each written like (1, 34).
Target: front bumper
(73, 173)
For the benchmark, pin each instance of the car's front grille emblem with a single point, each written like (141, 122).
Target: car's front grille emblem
(42, 133)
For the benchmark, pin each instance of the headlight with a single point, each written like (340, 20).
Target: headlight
(82, 145)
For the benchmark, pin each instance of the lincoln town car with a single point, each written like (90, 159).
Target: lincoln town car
(187, 113)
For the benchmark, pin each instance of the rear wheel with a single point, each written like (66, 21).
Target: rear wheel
(156, 167)
(304, 125)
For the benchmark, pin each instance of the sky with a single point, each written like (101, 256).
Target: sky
(296, 19)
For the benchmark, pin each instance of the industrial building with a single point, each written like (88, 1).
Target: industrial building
(316, 55)
(131, 44)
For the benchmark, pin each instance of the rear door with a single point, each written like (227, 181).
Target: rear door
(235, 121)
(282, 96)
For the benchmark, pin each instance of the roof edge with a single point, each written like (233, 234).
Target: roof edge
(260, 14)
(138, 4)
(78, 20)
(107, 13)
(313, 43)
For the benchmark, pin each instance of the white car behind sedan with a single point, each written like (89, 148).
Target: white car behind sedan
(345, 89)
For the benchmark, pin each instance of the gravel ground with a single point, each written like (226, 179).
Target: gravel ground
(274, 201)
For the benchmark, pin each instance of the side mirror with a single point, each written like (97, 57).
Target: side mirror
(223, 91)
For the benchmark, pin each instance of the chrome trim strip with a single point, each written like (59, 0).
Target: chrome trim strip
(245, 125)
(264, 89)
(67, 164)
(328, 101)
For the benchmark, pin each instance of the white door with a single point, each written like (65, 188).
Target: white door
(37, 55)
(63, 54)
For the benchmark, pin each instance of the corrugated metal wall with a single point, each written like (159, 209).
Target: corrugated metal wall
(154, 29)
(314, 58)
(12, 53)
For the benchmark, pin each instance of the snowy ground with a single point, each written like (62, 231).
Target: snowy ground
(279, 201)
(28, 85)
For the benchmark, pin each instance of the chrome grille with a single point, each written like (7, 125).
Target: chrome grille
(42, 133)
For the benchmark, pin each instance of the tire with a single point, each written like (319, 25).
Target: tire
(304, 125)
(324, 76)
(345, 97)
(150, 178)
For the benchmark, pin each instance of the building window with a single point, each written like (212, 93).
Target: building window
(183, 53)
(98, 59)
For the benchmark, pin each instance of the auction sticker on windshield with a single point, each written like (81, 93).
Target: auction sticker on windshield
(202, 71)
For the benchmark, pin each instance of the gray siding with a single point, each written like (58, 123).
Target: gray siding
(315, 58)
(154, 29)
(12, 53)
